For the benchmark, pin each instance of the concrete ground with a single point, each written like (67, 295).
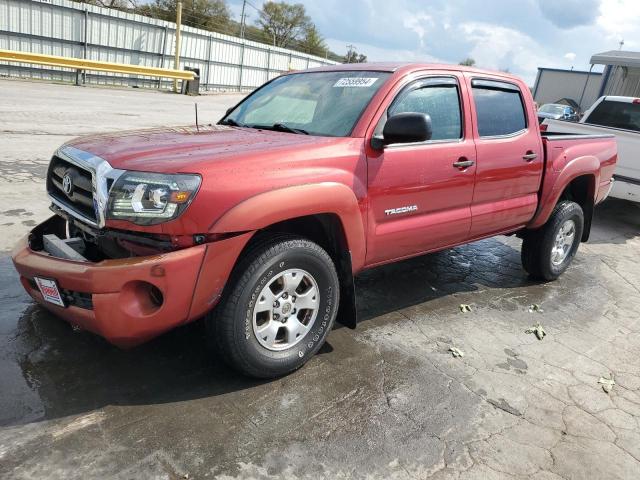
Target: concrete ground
(387, 400)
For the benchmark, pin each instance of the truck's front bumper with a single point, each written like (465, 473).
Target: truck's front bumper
(119, 300)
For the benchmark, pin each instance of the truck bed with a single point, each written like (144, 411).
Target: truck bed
(563, 151)
(627, 172)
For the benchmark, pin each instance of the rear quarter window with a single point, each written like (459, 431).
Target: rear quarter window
(499, 108)
(616, 114)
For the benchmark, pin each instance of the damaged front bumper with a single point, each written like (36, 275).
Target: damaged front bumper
(128, 300)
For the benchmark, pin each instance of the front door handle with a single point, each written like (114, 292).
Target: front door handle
(463, 163)
(530, 156)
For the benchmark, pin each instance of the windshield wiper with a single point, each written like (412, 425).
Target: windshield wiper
(232, 122)
(286, 128)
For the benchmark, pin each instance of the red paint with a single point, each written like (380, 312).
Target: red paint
(252, 179)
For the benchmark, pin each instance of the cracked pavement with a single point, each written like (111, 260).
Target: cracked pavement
(386, 401)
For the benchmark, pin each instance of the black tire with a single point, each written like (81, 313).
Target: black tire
(538, 244)
(230, 326)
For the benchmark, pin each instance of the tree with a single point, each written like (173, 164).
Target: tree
(354, 57)
(468, 62)
(117, 4)
(283, 23)
(206, 14)
(312, 42)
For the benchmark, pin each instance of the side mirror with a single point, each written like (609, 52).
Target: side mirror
(407, 127)
(229, 110)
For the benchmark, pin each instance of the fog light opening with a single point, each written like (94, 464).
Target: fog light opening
(157, 299)
(139, 298)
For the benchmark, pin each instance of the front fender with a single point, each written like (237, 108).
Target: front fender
(268, 208)
(555, 182)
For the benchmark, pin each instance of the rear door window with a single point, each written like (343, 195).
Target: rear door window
(616, 114)
(499, 108)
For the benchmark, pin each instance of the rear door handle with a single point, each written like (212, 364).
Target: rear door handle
(530, 156)
(463, 163)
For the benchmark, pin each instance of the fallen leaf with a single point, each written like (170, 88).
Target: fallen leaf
(456, 352)
(535, 308)
(537, 330)
(464, 308)
(607, 383)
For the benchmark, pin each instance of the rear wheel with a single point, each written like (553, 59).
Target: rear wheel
(548, 251)
(278, 308)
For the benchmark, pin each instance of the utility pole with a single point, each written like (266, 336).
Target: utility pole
(176, 62)
(242, 18)
(621, 43)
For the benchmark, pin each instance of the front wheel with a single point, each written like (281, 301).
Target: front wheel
(279, 306)
(548, 251)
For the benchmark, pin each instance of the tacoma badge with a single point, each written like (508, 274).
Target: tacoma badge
(396, 211)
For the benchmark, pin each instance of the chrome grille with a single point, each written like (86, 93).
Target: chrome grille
(88, 180)
(78, 194)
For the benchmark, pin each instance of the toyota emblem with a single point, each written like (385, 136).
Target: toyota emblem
(67, 184)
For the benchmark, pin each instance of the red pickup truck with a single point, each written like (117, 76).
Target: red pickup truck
(260, 222)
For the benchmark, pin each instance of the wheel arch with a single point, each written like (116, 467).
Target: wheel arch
(327, 230)
(329, 207)
(327, 214)
(577, 181)
(582, 190)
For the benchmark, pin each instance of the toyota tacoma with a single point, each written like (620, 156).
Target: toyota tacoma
(260, 222)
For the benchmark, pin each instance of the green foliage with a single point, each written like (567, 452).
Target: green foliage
(283, 23)
(312, 42)
(354, 57)
(468, 62)
(117, 4)
(205, 14)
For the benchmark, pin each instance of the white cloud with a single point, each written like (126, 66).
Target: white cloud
(419, 24)
(535, 33)
(379, 54)
(620, 19)
(497, 48)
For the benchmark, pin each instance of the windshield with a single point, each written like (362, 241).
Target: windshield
(554, 109)
(616, 114)
(317, 103)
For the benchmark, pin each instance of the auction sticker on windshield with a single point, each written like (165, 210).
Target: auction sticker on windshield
(49, 290)
(355, 82)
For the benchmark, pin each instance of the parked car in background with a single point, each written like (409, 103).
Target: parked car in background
(619, 116)
(557, 112)
(260, 222)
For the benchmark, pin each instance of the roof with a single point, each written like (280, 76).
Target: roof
(407, 67)
(564, 70)
(618, 58)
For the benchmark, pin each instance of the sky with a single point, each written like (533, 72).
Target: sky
(514, 35)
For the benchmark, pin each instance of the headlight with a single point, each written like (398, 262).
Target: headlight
(150, 198)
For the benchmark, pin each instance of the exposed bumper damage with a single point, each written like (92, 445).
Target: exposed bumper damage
(128, 300)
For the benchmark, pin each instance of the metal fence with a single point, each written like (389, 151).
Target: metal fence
(65, 28)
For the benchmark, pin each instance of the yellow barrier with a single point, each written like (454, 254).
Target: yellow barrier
(82, 64)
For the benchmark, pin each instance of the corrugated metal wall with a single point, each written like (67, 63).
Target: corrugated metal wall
(623, 81)
(554, 84)
(62, 27)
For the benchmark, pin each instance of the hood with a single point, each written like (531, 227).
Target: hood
(187, 150)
